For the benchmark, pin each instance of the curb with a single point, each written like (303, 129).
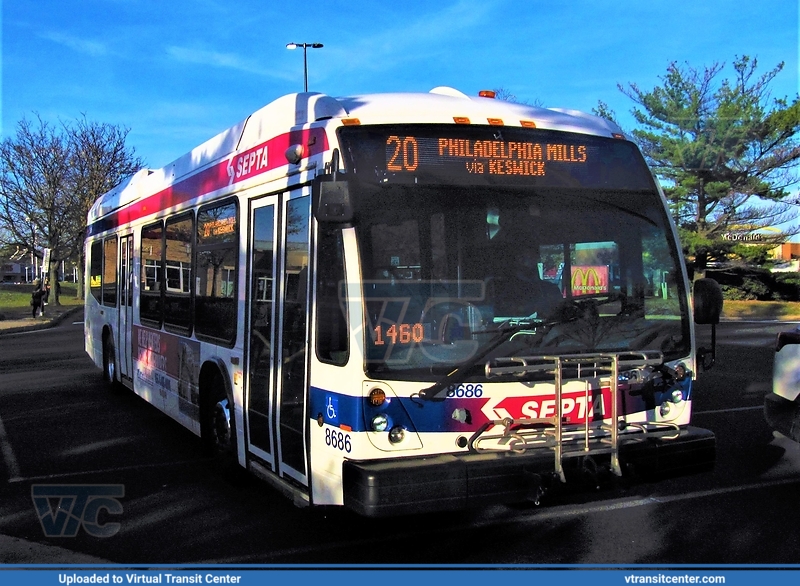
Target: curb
(762, 318)
(43, 325)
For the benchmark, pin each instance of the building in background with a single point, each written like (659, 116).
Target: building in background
(786, 256)
(16, 271)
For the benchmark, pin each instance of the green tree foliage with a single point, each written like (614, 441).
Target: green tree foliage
(49, 178)
(726, 153)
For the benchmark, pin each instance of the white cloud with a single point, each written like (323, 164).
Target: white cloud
(220, 59)
(88, 47)
(429, 34)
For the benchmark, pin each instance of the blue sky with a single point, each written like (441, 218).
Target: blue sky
(178, 72)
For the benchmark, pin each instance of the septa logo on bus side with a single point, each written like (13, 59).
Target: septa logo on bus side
(263, 157)
(250, 163)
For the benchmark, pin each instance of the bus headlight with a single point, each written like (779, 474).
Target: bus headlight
(664, 409)
(396, 434)
(377, 397)
(677, 396)
(380, 422)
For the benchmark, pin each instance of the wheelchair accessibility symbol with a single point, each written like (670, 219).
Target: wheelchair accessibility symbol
(331, 408)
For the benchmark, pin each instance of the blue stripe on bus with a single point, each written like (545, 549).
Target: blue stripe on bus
(412, 413)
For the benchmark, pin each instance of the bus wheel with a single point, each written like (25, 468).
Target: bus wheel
(221, 427)
(109, 361)
(218, 430)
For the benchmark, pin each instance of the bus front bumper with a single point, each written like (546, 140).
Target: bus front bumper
(782, 415)
(380, 488)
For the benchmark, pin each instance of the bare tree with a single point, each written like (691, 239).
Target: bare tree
(49, 178)
(100, 161)
(35, 188)
(505, 95)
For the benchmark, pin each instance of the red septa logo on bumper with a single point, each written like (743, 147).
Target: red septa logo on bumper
(575, 406)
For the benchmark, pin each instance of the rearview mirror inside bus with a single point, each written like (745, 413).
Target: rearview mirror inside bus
(333, 201)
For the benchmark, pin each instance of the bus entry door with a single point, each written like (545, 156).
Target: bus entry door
(277, 356)
(125, 305)
(261, 328)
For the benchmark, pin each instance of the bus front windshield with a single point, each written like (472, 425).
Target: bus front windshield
(571, 270)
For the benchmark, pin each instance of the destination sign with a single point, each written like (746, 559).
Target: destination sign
(437, 154)
(494, 157)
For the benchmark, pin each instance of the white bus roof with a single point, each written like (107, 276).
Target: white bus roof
(439, 106)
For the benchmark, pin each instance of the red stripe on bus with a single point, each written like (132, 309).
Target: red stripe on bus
(237, 168)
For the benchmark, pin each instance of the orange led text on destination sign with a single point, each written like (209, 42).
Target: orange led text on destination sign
(218, 227)
(495, 157)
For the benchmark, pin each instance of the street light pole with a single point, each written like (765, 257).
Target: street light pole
(305, 47)
(34, 258)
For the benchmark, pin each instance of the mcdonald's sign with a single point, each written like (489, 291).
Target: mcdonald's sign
(589, 280)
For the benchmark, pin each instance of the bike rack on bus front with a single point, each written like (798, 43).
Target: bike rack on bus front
(567, 440)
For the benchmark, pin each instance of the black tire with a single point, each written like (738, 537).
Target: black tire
(109, 361)
(218, 426)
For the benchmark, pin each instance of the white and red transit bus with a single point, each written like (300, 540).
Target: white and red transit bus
(402, 303)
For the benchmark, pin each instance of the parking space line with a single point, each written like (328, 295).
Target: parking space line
(8, 455)
(538, 515)
(731, 410)
(104, 470)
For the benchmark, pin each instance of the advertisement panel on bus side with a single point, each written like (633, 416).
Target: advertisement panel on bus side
(167, 364)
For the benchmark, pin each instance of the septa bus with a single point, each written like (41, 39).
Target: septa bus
(319, 293)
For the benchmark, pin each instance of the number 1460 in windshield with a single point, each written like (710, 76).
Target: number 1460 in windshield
(399, 334)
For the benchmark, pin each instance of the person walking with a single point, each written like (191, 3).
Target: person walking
(46, 289)
(37, 298)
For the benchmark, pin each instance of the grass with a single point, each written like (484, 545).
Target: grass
(15, 300)
(15, 303)
(785, 310)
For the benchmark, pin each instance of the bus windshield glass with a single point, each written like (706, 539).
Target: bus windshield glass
(465, 231)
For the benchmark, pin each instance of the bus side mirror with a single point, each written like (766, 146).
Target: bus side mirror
(787, 339)
(707, 301)
(333, 205)
(707, 309)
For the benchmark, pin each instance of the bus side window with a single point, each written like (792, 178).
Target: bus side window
(178, 275)
(150, 291)
(110, 272)
(96, 269)
(217, 264)
(332, 324)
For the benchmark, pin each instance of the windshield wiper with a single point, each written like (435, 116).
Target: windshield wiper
(506, 330)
